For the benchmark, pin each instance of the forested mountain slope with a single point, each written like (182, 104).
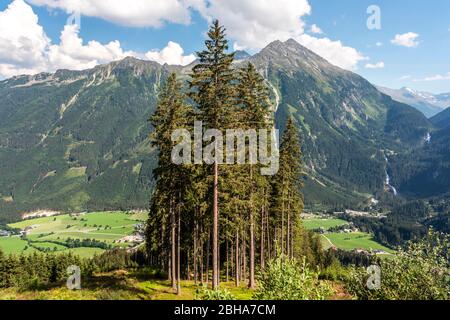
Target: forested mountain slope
(346, 123)
(442, 119)
(76, 141)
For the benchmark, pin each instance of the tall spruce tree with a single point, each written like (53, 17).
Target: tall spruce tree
(288, 199)
(212, 90)
(253, 98)
(168, 199)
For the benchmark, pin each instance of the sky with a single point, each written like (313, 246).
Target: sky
(391, 43)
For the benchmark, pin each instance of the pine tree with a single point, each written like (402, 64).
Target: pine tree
(212, 90)
(253, 98)
(168, 200)
(288, 199)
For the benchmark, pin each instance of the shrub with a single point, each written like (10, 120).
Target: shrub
(335, 272)
(204, 293)
(288, 279)
(419, 272)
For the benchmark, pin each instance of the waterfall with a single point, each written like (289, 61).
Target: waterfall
(275, 109)
(388, 179)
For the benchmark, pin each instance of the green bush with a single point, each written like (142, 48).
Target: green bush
(419, 272)
(289, 279)
(204, 293)
(335, 272)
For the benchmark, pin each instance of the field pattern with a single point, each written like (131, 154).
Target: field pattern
(82, 234)
(326, 224)
(344, 241)
(354, 241)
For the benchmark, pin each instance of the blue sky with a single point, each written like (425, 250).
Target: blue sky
(143, 28)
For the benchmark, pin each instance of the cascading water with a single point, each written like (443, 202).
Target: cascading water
(391, 188)
(277, 105)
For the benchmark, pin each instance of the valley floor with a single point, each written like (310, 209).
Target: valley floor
(66, 233)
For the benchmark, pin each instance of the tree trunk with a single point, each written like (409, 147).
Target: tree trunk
(262, 235)
(169, 268)
(215, 276)
(228, 262)
(282, 227)
(195, 252)
(208, 254)
(173, 257)
(188, 266)
(288, 236)
(236, 262)
(202, 262)
(244, 259)
(251, 283)
(179, 255)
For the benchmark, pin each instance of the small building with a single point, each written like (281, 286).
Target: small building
(4, 233)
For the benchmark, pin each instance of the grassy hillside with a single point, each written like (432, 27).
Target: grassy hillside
(66, 233)
(344, 241)
(326, 224)
(352, 241)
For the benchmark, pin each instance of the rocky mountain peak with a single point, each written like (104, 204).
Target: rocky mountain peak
(290, 55)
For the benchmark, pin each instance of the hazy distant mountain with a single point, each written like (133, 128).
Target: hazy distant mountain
(241, 55)
(429, 104)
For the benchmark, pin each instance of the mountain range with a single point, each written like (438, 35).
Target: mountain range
(427, 103)
(78, 140)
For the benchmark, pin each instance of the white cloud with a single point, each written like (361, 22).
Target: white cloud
(135, 13)
(254, 24)
(334, 51)
(408, 40)
(72, 54)
(437, 77)
(379, 65)
(172, 55)
(379, 44)
(315, 29)
(406, 77)
(250, 24)
(22, 40)
(237, 47)
(26, 49)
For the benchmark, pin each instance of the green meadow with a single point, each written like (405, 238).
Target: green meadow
(344, 241)
(49, 234)
(326, 224)
(352, 241)
(15, 245)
